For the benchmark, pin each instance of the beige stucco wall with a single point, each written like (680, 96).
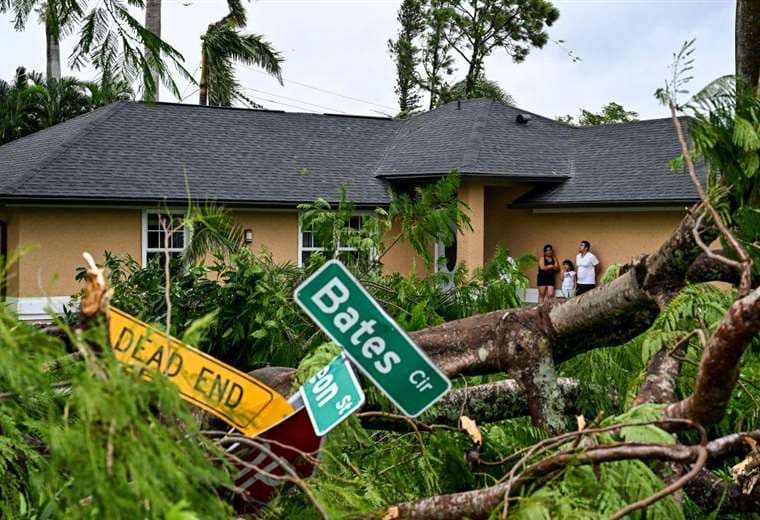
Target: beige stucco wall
(471, 246)
(273, 231)
(401, 258)
(11, 268)
(615, 236)
(52, 240)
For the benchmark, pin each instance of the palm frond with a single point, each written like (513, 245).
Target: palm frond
(213, 231)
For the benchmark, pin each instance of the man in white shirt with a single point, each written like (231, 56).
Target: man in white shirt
(586, 265)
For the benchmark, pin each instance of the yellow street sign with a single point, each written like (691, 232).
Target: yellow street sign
(233, 396)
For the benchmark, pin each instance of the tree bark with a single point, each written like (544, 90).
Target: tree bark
(748, 42)
(53, 52)
(707, 269)
(202, 84)
(484, 403)
(153, 24)
(661, 383)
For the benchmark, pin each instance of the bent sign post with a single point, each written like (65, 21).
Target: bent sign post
(233, 396)
(338, 303)
(332, 395)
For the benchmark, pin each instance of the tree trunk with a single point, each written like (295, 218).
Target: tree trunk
(748, 41)
(202, 86)
(153, 24)
(53, 48)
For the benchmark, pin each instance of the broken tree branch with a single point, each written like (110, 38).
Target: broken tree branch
(707, 269)
(479, 503)
(719, 366)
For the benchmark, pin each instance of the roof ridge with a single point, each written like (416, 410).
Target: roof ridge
(107, 112)
(256, 110)
(390, 143)
(475, 142)
(631, 123)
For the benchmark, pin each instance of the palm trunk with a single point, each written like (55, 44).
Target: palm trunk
(53, 48)
(202, 87)
(748, 41)
(153, 24)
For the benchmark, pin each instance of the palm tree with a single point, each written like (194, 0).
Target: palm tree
(30, 102)
(59, 17)
(57, 100)
(153, 24)
(15, 117)
(110, 38)
(222, 46)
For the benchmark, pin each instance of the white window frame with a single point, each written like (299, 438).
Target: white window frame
(341, 249)
(187, 234)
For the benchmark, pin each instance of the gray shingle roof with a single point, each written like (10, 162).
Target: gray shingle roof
(133, 152)
(478, 137)
(138, 152)
(621, 164)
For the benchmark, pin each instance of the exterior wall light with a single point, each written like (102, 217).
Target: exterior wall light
(248, 236)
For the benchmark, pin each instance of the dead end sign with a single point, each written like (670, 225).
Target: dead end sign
(233, 396)
(346, 312)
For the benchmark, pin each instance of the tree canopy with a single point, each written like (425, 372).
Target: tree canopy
(610, 113)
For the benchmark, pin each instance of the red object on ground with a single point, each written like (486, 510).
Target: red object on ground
(293, 436)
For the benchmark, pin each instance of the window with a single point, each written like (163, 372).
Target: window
(309, 244)
(154, 236)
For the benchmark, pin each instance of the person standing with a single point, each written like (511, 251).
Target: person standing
(547, 272)
(568, 278)
(586, 264)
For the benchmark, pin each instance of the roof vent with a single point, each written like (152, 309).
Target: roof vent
(522, 119)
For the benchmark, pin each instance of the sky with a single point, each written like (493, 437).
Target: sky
(337, 60)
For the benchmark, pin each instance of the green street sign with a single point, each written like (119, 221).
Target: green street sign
(338, 303)
(332, 395)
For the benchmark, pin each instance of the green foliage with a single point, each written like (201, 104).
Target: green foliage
(476, 29)
(437, 59)
(610, 113)
(612, 272)
(585, 492)
(431, 213)
(224, 45)
(354, 238)
(29, 103)
(107, 444)
(482, 88)
(724, 128)
(406, 55)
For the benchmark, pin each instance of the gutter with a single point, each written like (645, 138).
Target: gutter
(13, 201)
(643, 203)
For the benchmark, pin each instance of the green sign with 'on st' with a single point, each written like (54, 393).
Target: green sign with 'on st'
(338, 303)
(332, 395)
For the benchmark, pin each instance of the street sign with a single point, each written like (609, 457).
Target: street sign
(288, 441)
(332, 395)
(233, 396)
(338, 303)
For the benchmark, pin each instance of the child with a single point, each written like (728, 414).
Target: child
(568, 279)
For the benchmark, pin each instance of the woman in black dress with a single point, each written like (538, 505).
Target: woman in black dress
(547, 272)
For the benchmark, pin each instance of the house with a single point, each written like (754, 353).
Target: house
(97, 182)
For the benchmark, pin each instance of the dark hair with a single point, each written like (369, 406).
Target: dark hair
(586, 243)
(567, 261)
(548, 246)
